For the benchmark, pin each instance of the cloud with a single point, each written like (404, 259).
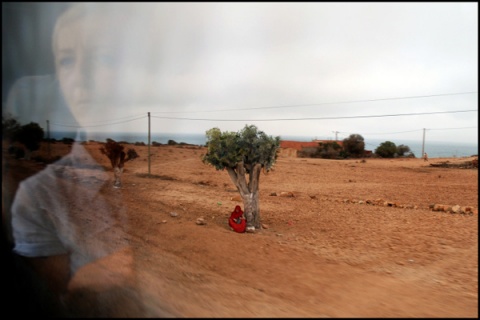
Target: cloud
(196, 57)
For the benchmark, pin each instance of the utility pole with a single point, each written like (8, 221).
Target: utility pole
(48, 139)
(423, 143)
(336, 135)
(148, 144)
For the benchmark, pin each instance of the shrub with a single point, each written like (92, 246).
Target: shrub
(10, 127)
(329, 150)
(354, 145)
(68, 140)
(30, 135)
(402, 150)
(307, 152)
(19, 152)
(386, 149)
(172, 142)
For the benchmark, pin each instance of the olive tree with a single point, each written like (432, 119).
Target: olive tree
(114, 151)
(243, 153)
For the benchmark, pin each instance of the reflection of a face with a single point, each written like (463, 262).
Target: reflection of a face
(87, 62)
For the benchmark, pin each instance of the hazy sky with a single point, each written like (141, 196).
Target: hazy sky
(338, 63)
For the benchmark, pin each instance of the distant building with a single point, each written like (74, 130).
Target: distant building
(290, 148)
(297, 145)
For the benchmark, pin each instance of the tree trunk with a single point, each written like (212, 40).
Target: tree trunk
(117, 172)
(252, 210)
(253, 186)
(248, 192)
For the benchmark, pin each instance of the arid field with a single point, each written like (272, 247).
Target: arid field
(351, 238)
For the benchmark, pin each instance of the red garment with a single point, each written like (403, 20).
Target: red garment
(236, 220)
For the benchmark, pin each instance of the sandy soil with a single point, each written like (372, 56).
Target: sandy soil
(325, 252)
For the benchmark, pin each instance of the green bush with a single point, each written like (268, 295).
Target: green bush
(354, 146)
(386, 149)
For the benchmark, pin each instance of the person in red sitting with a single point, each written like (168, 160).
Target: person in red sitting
(236, 221)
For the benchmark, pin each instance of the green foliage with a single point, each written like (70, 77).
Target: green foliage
(18, 152)
(354, 145)
(68, 141)
(329, 150)
(386, 149)
(10, 127)
(114, 152)
(30, 135)
(249, 145)
(131, 154)
(172, 142)
(402, 150)
(308, 152)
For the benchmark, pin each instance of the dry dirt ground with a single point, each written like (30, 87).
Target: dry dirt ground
(324, 252)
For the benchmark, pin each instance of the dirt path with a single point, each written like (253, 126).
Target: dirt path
(324, 253)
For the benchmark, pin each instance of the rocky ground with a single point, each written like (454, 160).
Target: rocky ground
(341, 238)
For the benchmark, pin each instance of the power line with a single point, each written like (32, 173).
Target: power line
(374, 133)
(285, 119)
(318, 104)
(387, 132)
(320, 118)
(453, 128)
(98, 125)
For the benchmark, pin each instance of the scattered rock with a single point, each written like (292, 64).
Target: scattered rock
(455, 209)
(452, 209)
(236, 198)
(264, 226)
(286, 194)
(439, 207)
(273, 194)
(201, 221)
(466, 210)
(173, 214)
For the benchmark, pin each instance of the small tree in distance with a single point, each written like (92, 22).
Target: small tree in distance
(354, 145)
(402, 150)
(30, 135)
(329, 150)
(244, 153)
(10, 127)
(114, 151)
(386, 149)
